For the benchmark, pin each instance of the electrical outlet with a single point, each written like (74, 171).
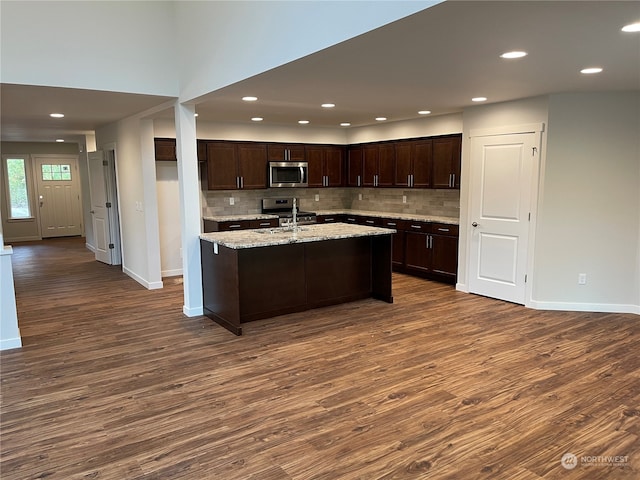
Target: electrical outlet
(404, 199)
(317, 197)
(582, 279)
(232, 201)
(359, 196)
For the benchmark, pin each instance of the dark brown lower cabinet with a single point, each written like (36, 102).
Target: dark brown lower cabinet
(419, 248)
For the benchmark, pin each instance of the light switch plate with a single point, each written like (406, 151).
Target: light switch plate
(232, 201)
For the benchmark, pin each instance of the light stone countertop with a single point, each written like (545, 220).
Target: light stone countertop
(267, 237)
(397, 216)
(365, 213)
(237, 218)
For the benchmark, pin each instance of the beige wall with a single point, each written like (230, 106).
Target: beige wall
(28, 229)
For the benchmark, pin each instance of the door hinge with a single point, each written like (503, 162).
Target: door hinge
(529, 216)
(525, 278)
(534, 150)
(105, 163)
(108, 204)
(111, 246)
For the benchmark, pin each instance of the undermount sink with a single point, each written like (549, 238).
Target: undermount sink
(273, 231)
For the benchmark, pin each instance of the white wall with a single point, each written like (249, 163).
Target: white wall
(169, 218)
(588, 218)
(221, 43)
(421, 127)
(519, 112)
(137, 199)
(590, 209)
(82, 45)
(9, 331)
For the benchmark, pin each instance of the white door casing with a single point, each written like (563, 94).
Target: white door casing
(504, 174)
(58, 185)
(99, 211)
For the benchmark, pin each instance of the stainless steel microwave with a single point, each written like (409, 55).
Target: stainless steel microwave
(288, 174)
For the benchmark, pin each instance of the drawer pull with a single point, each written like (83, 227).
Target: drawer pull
(368, 221)
(443, 229)
(265, 224)
(416, 226)
(351, 219)
(328, 219)
(235, 226)
(391, 224)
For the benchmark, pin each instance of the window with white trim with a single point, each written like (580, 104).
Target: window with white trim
(17, 187)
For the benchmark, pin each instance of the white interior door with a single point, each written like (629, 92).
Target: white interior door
(99, 210)
(502, 170)
(58, 185)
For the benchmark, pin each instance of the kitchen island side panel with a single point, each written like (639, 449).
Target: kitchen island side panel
(338, 270)
(381, 268)
(272, 281)
(221, 295)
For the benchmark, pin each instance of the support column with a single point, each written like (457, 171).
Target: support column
(190, 208)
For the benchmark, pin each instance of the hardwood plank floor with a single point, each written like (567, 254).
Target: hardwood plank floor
(113, 382)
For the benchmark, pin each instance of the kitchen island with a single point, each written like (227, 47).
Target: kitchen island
(253, 274)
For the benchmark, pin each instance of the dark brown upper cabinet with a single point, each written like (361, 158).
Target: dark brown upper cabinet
(446, 162)
(285, 152)
(326, 165)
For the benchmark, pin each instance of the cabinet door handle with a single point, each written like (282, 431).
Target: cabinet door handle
(241, 182)
(409, 180)
(358, 180)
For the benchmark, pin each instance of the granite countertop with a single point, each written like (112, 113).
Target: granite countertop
(397, 216)
(267, 237)
(237, 218)
(364, 213)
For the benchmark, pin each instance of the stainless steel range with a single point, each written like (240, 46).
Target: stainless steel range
(283, 208)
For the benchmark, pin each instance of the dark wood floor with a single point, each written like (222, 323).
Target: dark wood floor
(113, 382)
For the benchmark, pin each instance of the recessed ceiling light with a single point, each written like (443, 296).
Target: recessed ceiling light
(249, 99)
(424, 112)
(257, 119)
(345, 124)
(56, 115)
(591, 70)
(514, 54)
(59, 140)
(632, 27)
(303, 122)
(479, 99)
(381, 119)
(328, 105)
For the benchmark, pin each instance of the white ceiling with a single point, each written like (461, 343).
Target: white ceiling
(437, 60)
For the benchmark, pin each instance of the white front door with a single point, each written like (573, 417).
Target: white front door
(99, 207)
(502, 178)
(58, 184)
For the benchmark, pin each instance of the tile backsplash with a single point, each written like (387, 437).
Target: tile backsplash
(444, 203)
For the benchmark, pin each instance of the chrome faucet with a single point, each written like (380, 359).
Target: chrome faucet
(295, 214)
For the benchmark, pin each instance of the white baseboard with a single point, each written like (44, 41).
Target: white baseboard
(171, 273)
(142, 281)
(193, 311)
(9, 343)
(462, 287)
(8, 240)
(90, 247)
(585, 307)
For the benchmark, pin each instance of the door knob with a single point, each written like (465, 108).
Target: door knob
(474, 224)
